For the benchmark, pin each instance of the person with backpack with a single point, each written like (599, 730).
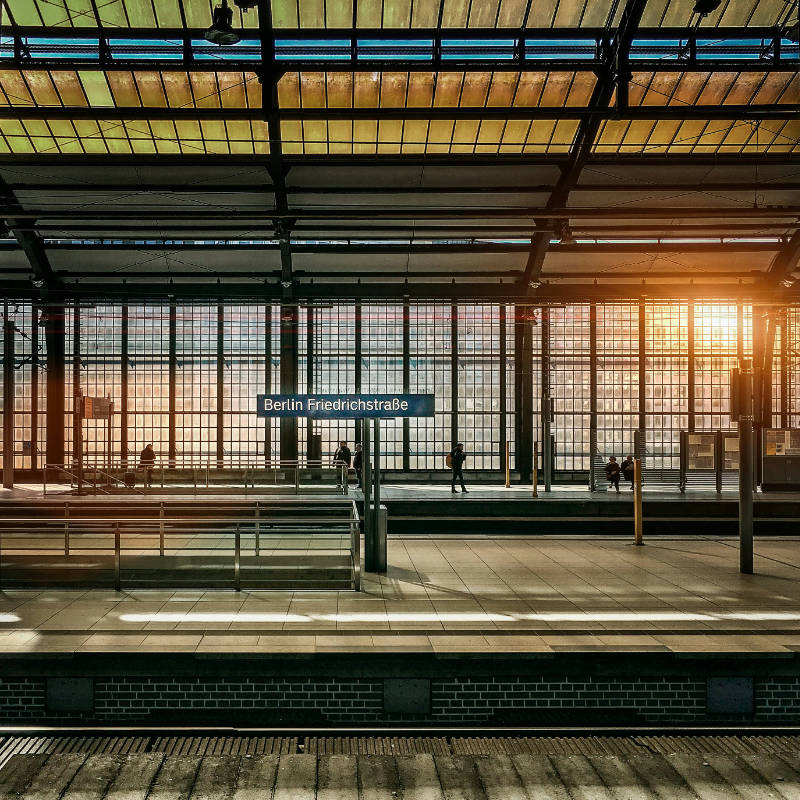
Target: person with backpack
(358, 464)
(147, 460)
(341, 459)
(612, 473)
(455, 460)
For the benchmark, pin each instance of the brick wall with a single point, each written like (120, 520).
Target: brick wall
(777, 699)
(330, 699)
(454, 699)
(22, 698)
(653, 699)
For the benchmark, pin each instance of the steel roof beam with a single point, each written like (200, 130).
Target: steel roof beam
(785, 263)
(718, 112)
(511, 188)
(258, 288)
(246, 213)
(609, 78)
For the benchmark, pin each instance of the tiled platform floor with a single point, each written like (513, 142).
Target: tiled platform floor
(479, 594)
(409, 491)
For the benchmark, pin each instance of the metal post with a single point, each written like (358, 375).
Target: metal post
(236, 559)
(547, 452)
(161, 529)
(66, 529)
(117, 582)
(258, 528)
(719, 457)
(8, 405)
(508, 465)
(366, 481)
(78, 412)
(378, 533)
(746, 467)
(406, 365)
(637, 501)
(592, 393)
(535, 469)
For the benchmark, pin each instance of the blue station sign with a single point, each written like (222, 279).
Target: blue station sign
(345, 406)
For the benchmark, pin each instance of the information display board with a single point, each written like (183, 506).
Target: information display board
(780, 462)
(782, 443)
(731, 453)
(700, 454)
(346, 406)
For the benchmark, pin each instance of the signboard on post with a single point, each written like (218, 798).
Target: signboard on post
(96, 407)
(345, 406)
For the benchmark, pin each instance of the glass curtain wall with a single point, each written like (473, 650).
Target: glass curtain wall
(668, 370)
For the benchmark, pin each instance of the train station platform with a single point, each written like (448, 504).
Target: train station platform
(461, 629)
(428, 508)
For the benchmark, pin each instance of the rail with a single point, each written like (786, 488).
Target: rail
(278, 547)
(292, 477)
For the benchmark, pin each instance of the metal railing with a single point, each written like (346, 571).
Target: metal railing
(288, 545)
(292, 477)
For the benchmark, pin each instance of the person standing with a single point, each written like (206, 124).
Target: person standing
(457, 459)
(629, 469)
(358, 464)
(613, 473)
(342, 458)
(147, 460)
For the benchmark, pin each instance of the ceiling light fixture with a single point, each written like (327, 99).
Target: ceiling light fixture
(221, 31)
(705, 7)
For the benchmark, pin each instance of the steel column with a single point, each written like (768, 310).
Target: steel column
(310, 376)
(35, 387)
(690, 374)
(453, 374)
(503, 437)
(592, 393)
(289, 368)
(357, 382)
(745, 386)
(406, 381)
(220, 386)
(172, 370)
(123, 386)
(267, 379)
(77, 425)
(547, 407)
(55, 341)
(9, 406)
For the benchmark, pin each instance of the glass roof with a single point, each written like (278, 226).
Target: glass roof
(387, 137)
(512, 13)
(406, 14)
(129, 89)
(714, 88)
(707, 137)
(120, 13)
(125, 137)
(432, 89)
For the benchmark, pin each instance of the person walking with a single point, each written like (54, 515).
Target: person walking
(629, 469)
(147, 460)
(358, 464)
(613, 473)
(341, 459)
(457, 459)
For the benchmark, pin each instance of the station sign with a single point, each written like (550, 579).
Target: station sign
(345, 406)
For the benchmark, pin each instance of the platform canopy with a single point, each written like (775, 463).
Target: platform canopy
(382, 148)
